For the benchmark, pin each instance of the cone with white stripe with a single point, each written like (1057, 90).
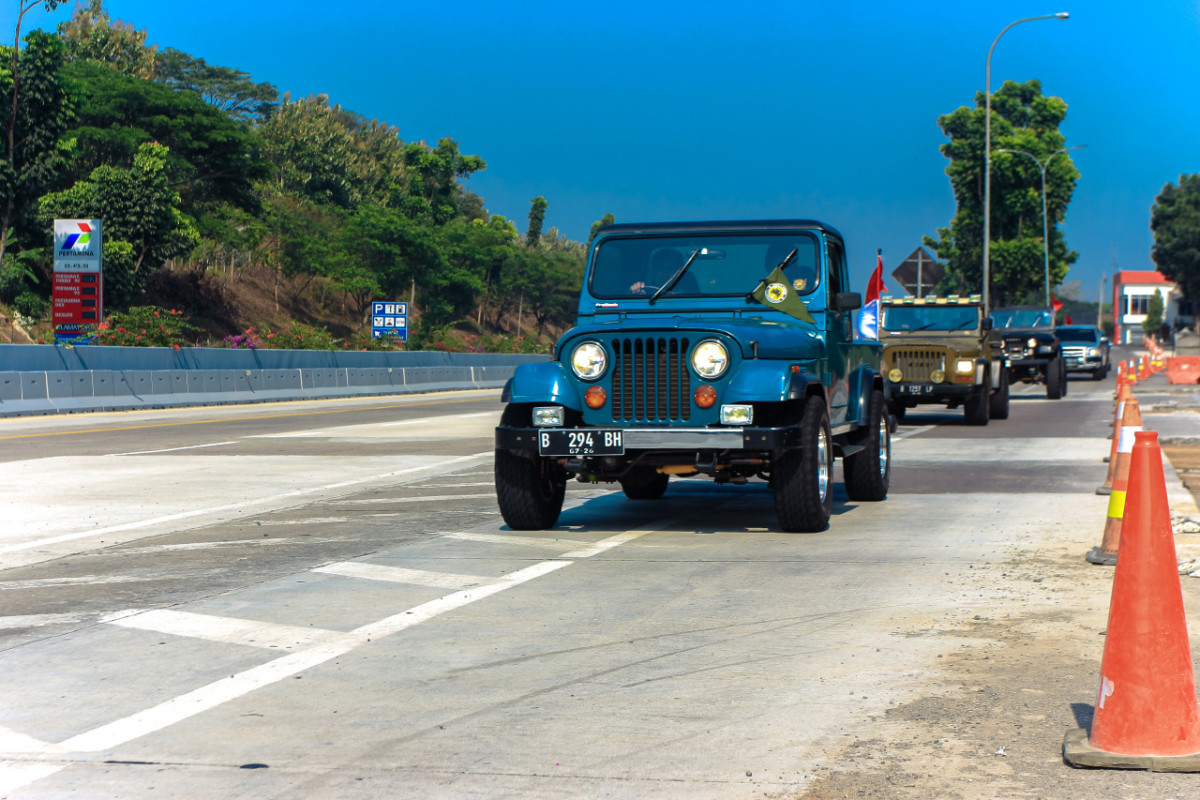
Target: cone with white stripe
(1123, 394)
(1131, 422)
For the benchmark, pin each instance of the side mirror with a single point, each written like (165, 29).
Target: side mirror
(985, 324)
(847, 301)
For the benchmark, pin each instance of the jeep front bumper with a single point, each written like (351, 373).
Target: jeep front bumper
(660, 439)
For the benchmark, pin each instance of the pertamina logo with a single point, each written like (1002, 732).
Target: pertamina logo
(78, 242)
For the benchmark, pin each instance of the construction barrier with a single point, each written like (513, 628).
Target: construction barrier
(1183, 369)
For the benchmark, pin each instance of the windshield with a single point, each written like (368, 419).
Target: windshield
(1089, 335)
(724, 265)
(930, 318)
(1022, 318)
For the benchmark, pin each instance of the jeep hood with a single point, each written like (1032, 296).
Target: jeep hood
(777, 336)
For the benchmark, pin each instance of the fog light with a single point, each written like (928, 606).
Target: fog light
(737, 415)
(705, 396)
(595, 397)
(895, 375)
(936, 376)
(548, 416)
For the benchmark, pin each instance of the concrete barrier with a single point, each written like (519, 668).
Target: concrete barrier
(53, 379)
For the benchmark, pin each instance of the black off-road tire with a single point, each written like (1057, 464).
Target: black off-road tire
(998, 403)
(868, 472)
(529, 489)
(1056, 378)
(802, 479)
(977, 409)
(898, 410)
(644, 484)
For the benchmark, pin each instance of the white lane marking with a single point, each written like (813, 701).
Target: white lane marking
(170, 449)
(38, 621)
(607, 544)
(370, 500)
(15, 774)
(913, 432)
(41, 583)
(451, 485)
(440, 419)
(70, 537)
(419, 577)
(224, 629)
(495, 538)
(13, 742)
(214, 694)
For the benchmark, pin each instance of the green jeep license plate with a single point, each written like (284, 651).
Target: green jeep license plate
(589, 442)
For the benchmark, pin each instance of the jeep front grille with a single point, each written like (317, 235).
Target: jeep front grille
(1015, 348)
(917, 364)
(650, 380)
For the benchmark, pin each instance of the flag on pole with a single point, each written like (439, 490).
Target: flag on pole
(868, 317)
(1055, 304)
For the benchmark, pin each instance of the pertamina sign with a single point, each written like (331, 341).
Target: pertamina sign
(78, 245)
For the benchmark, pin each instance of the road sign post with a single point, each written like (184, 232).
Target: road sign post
(77, 294)
(389, 318)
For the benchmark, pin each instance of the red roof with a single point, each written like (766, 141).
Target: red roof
(1140, 276)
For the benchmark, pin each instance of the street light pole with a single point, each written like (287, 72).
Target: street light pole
(987, 152)
(1045, 226)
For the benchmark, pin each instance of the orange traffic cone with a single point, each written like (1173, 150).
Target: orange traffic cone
(1123, 394)
(1131, 423)
(1146, 715)
(1144, 368)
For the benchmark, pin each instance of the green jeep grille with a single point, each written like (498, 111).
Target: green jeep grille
(916, 363)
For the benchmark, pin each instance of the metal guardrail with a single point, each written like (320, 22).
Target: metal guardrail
(50, 379)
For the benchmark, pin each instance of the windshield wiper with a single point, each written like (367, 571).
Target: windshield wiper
(674, 279)
(781, 265)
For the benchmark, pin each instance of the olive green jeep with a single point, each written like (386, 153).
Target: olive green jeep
(938, 350)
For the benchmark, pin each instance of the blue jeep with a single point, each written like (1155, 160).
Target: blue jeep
(723, 349)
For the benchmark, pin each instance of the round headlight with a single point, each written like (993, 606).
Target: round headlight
(936, 376)
(588, 360)
(1031, 343)
(895, 375)
(710, 359)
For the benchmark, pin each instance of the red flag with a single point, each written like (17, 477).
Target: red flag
(875, 287)
(1055, 304)
(868, 317)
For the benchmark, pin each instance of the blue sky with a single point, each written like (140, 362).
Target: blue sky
(712, 110)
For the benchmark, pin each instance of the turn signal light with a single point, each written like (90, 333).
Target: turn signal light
(595, 397)
(705, 396)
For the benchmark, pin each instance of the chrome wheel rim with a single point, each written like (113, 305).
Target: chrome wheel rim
(822, 464)
(884, 447)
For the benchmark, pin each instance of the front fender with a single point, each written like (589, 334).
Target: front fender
(543, 382)
(769, 382)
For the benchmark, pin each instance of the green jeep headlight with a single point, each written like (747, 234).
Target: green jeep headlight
(964, 366)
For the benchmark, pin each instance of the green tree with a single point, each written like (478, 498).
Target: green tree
(1022, 119)
(432, 192)
(537, 216)
(304, 240)
(228, 89)
(1154, 315)
(211, 158)
(36, 110)
(91, 35)
(332, 156)
(143, 225)
(1175, 222)
(607, 219)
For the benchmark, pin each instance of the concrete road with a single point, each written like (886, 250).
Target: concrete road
(321, 600)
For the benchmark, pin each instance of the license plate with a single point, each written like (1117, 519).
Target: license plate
(915, 388)
(581, 442)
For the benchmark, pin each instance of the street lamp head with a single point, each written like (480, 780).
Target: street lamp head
(1063, 15)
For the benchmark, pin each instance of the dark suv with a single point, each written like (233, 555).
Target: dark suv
(1031, 347)
(1084, 349)
(716, 349)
